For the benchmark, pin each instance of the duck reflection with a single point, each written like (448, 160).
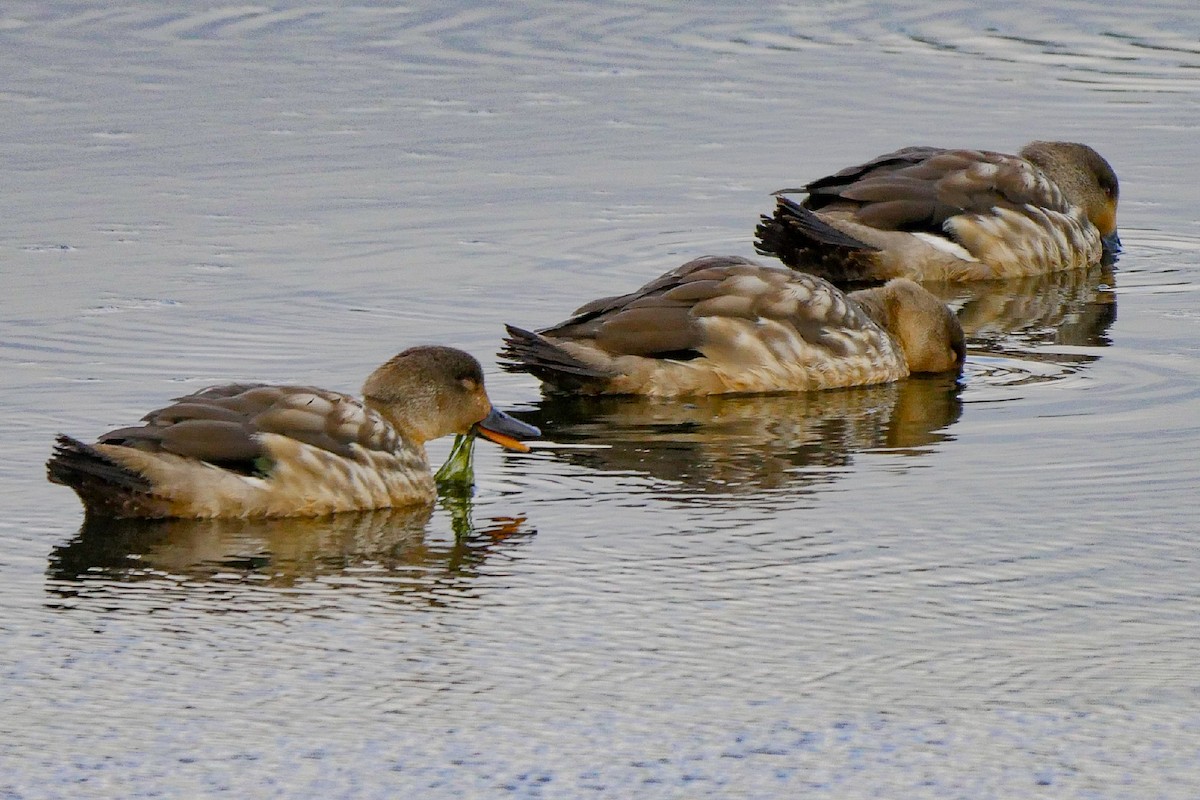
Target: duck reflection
(737, 444)
(747, 443)
(1062, 308)
(390, 543)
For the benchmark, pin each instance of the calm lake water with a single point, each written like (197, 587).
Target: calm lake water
(929, 589)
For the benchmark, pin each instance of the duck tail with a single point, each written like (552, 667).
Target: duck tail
(526, 351)
(803, 241)
(103, 484)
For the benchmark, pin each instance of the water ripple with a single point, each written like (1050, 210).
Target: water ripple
(758, 597)
(719, 448)
(272, 565)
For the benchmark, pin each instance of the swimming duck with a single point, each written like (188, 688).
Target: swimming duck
(257, 450)
(933, 214)
(723, 324)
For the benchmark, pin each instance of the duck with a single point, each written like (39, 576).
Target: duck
(727, 324)
(935, 214)
(256, 450)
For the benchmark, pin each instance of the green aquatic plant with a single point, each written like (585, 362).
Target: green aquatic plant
(457, 475)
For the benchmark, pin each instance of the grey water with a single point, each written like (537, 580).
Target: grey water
(988, 588)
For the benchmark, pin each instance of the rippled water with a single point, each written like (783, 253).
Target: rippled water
(974, 589)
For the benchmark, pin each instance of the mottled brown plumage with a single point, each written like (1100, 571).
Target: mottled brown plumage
(723, 324)
(929, 213)
(256, 450)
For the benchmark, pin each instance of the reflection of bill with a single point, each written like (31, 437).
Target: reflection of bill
(387, 544)
(746, 443)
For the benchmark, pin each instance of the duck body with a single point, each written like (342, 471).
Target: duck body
(935, 214)
(258, 450)
(723, 324)
(251, 450)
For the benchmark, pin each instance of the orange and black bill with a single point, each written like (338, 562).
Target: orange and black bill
(506, 431)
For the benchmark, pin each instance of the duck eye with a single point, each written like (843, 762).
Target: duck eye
(470, 384)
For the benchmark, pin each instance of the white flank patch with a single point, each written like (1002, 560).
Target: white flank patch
(945, 245)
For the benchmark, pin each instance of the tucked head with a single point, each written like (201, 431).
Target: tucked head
(432, 391)
(1087, 180)
(928, 331)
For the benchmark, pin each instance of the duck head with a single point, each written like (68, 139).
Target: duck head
(1087, 180)
(928, 331)
(432, 391)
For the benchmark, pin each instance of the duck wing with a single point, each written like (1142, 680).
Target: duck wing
(222, 424)
(656, 320)
(677, 316)
(920, 188)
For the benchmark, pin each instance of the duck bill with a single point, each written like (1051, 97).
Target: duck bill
(1112, 243)
(506, 431)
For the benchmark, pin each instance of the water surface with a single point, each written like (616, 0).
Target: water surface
(974, 589)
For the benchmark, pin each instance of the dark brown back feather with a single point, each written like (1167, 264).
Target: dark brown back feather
(919, 188)
(221, 424)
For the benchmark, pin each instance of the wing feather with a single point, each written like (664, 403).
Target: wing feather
(223, 424)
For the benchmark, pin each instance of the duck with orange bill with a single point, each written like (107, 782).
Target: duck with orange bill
(260, 450)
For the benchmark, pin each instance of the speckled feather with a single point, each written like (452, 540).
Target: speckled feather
(223, 423)
(934, 214)
(717, 325)
(255, 450)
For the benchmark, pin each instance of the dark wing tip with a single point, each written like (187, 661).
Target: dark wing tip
(77, 464)
(526, 351)
(803, 241)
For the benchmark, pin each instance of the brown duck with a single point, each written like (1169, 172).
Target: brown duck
(256, 450)
(933, 214)
(723, 324)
